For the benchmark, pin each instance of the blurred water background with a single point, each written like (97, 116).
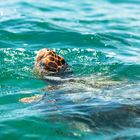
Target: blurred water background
(101, 42)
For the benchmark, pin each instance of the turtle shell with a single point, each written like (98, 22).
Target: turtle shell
(49, 61)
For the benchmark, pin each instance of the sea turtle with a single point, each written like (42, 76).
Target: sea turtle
(54, 69)
(49, 65)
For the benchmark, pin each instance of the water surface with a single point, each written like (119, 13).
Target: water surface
(101, 42)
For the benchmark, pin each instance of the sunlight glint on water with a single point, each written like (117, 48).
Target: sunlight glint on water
(100, 40)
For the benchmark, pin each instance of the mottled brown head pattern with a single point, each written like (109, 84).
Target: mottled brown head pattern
(48, 61)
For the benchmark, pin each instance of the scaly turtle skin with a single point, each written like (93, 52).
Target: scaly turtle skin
(48, 62)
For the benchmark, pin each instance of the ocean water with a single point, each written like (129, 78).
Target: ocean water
(100, 40)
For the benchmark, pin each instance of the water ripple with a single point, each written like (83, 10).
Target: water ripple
(99, 40)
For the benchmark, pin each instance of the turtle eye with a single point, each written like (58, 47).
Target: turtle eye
(63, 61)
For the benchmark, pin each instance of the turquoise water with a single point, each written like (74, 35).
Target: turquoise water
(101, 42)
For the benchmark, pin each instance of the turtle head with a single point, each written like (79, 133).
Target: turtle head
(49, 62)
